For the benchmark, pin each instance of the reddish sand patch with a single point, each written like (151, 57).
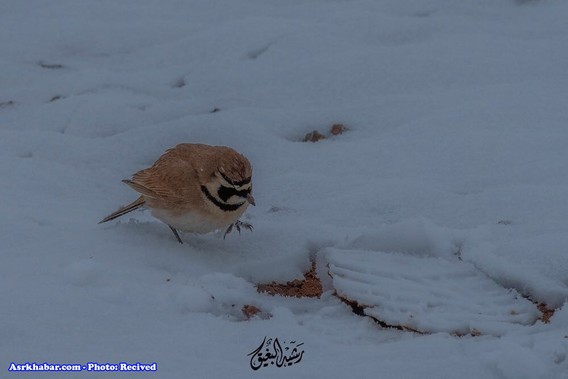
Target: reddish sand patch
(310, 286)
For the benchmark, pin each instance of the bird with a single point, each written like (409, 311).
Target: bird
(194, 188)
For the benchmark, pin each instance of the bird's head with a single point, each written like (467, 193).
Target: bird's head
(230, 184)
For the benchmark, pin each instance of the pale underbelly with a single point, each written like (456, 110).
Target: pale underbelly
(194, 222)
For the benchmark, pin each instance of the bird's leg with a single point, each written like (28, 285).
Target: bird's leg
(175, 233)
(229, 229)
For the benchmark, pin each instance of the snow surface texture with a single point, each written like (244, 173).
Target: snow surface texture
(456, 147)
(427, 294)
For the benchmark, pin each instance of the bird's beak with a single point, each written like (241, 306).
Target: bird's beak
(250, 199)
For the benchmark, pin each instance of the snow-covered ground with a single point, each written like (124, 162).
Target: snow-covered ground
(456, 151)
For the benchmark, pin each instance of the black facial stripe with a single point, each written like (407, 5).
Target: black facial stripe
(226, 192)
(241, 183)
(223, 206)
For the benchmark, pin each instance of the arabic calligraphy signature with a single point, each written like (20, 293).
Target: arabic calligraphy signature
(273, 352)
(257, 359)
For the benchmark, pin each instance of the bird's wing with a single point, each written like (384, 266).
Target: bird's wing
(167, 179)
(141, 189)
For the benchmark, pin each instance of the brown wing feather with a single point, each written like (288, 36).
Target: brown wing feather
(141, 189)
(170, 177)
(124, 210)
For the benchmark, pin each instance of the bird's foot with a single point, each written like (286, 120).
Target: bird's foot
(238, 225)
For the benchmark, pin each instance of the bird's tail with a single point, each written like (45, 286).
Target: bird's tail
(124, 210)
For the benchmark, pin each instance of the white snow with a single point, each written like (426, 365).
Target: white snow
(427, 294)
(456, 148)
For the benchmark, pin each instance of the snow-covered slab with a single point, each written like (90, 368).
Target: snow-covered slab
(427, 294)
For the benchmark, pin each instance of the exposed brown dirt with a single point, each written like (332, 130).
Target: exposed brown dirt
(313, 136)
(334, 130)
(250, 311)
(310, 286)
(547, 313)
(337, 129)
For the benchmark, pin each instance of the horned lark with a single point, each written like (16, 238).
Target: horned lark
(194, 188)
